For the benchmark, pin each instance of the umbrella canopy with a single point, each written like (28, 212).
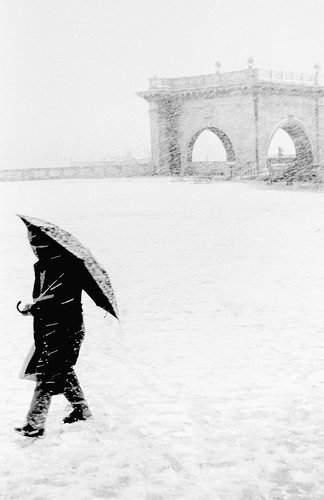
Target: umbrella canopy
(102, 292)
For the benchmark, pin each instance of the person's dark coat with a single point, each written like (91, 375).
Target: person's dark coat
(58, 320)
(60, 278)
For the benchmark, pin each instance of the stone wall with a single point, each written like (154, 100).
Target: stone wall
(77, 172)
(214, 168)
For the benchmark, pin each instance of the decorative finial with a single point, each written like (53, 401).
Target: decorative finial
(250, 62)
(153, 82)
(317, 68)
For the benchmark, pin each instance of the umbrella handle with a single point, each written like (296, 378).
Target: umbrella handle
(24, 313)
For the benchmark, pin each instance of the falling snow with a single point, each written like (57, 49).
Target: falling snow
(212, 385)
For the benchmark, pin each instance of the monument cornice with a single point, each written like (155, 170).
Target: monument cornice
(232, 89)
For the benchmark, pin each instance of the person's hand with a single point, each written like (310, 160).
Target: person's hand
(27, 308)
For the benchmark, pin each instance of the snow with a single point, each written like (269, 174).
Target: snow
(212, 384)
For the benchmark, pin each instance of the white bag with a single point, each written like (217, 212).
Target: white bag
(23, 373)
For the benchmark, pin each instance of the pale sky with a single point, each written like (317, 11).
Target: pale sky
(70, 68)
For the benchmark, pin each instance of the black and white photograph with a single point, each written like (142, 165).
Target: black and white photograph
(162, 249)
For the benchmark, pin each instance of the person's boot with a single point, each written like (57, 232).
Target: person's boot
(79, 413)
(30, 431)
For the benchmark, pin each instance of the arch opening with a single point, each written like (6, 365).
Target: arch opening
(210, 151)
(289, 154)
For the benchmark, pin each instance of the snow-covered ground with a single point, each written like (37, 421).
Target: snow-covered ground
(212, 385)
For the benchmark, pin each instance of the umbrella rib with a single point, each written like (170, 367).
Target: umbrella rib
(48, 288)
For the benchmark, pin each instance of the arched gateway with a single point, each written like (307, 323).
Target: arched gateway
(243, 108)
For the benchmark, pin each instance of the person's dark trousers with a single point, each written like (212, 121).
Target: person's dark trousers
(41, 401)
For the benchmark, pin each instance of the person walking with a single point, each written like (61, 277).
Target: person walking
(57, 314)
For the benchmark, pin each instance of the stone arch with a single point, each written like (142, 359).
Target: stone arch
(248, 103)
(296, 130)
(230, 155)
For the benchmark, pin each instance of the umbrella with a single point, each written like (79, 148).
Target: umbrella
(102, 292)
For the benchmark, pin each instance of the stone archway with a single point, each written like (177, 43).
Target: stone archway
(296, 131)
(230, 155)
(213, 167)
(247, 104)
